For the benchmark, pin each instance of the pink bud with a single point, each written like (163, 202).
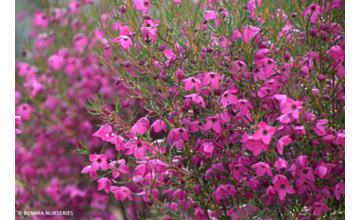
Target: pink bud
(197, 188)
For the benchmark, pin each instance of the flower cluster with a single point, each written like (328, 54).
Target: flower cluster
(245, 108)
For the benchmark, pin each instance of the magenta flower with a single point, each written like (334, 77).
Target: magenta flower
(140, 127)
(142, 5)
(318, 208)
(24, 110)
(124, 41)
(281, 163)
(264, 133)
(243, 105)
(339, 189)
(41, 19)
(320, 127)
(213, 122)
(138, 148)
(178, 134)
(261, 168)
(213, 78)
(313, 10)
(105, 132)
(74, 7)
(210, 15)
(283, 188)
(56, 62)
(119, 166)
(306, 174)
(98, 161)
(285, 140)
(158, 125)
(292, 107)
(323, 170)
(336, 52)
(196, 99)
(121, 193)
(228, 98)
(245, 34)
(104, 183)
(192, 82)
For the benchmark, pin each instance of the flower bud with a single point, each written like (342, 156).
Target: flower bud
(180, 74)
(245, 7)
(197, 188)
(287, 56)
(262, 45)
(141, 63)
(209, 49)
(217, 92)
(203, 49)
(125, 104)
(323, 37)
(203, 55)
(323, 27)
(326, 97)
(155, 77)
(122, 9)
(276, 51)
(312, 32)
(117, 81)
(162, 47)
(321, 77)
(293, 15)
(24, 53)
(187, 103)
(231, 111)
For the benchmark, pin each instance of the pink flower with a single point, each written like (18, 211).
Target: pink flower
(24, 110)
(306, 174)
(142, 5)
(320, 128)
(244, 105)
(285, 140)
(246, 33)
(261, 168)
(302, 161)
(87, 169)
(80, 42)
(121, 193)
(140, 127)
(56, 62)
(104, 183)
(158, 125)
(281, 163)
(292, 107)
(178, 134)
(210, 15)
(98, 161)
(318, 208)
(41, 19)
(74, 7)
(264, 133)
(196, 99)
(213, 122)
(339, 189)
(323, 170)
(213, 78)
(191, 82)
(228, 98)
(105, 132)
(119, 166)
(336, 52)
(283, 188)
(138, 148)
(314, 10)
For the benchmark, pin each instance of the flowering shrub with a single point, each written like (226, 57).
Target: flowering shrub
(200, 109)
(245, 108)
(54, 78)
